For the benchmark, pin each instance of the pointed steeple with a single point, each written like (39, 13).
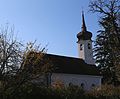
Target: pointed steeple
(83, 22)
(84, 34)
(85, 43)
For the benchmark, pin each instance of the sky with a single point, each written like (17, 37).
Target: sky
(51, 22)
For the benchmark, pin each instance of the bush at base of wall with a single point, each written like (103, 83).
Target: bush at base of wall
(31, 91)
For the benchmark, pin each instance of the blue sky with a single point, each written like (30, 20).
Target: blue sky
(52, 22)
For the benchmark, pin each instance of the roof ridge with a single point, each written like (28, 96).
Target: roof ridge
(65, 56)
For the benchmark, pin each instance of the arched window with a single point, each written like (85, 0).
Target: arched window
(70, 84)
(89, 47)
(81, 46)
(93, 85)
(82, 85)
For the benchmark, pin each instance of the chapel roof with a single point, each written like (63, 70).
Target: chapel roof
(71, 65)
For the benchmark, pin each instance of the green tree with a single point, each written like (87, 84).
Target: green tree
(107, 44)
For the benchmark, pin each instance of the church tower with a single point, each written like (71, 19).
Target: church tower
(85, 44)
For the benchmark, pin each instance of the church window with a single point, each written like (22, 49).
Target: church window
(70, 84)
(89, 47)
(81, 46)
(93, 85)
(82, 85)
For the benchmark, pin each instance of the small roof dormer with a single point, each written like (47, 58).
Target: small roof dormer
(84, 34)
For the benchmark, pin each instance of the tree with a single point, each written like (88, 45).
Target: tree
(20, 64)
(35, 69)
(107, 44)
(35, 64)
(10, 54)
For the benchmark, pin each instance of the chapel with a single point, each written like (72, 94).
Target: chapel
(80, 71)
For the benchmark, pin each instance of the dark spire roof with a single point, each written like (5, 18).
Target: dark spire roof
(83, 22)
(84, 34)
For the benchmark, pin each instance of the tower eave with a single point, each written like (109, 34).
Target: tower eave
(84, 35)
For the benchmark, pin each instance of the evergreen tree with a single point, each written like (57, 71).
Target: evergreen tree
(107, 44)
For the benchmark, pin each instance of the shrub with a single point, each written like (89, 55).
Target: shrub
(33, 91)
(105, 92)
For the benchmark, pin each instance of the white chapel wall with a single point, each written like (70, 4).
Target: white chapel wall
(87, 80)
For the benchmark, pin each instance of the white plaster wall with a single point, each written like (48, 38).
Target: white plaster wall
(81, 52)
(86, 54)
(75, 79)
